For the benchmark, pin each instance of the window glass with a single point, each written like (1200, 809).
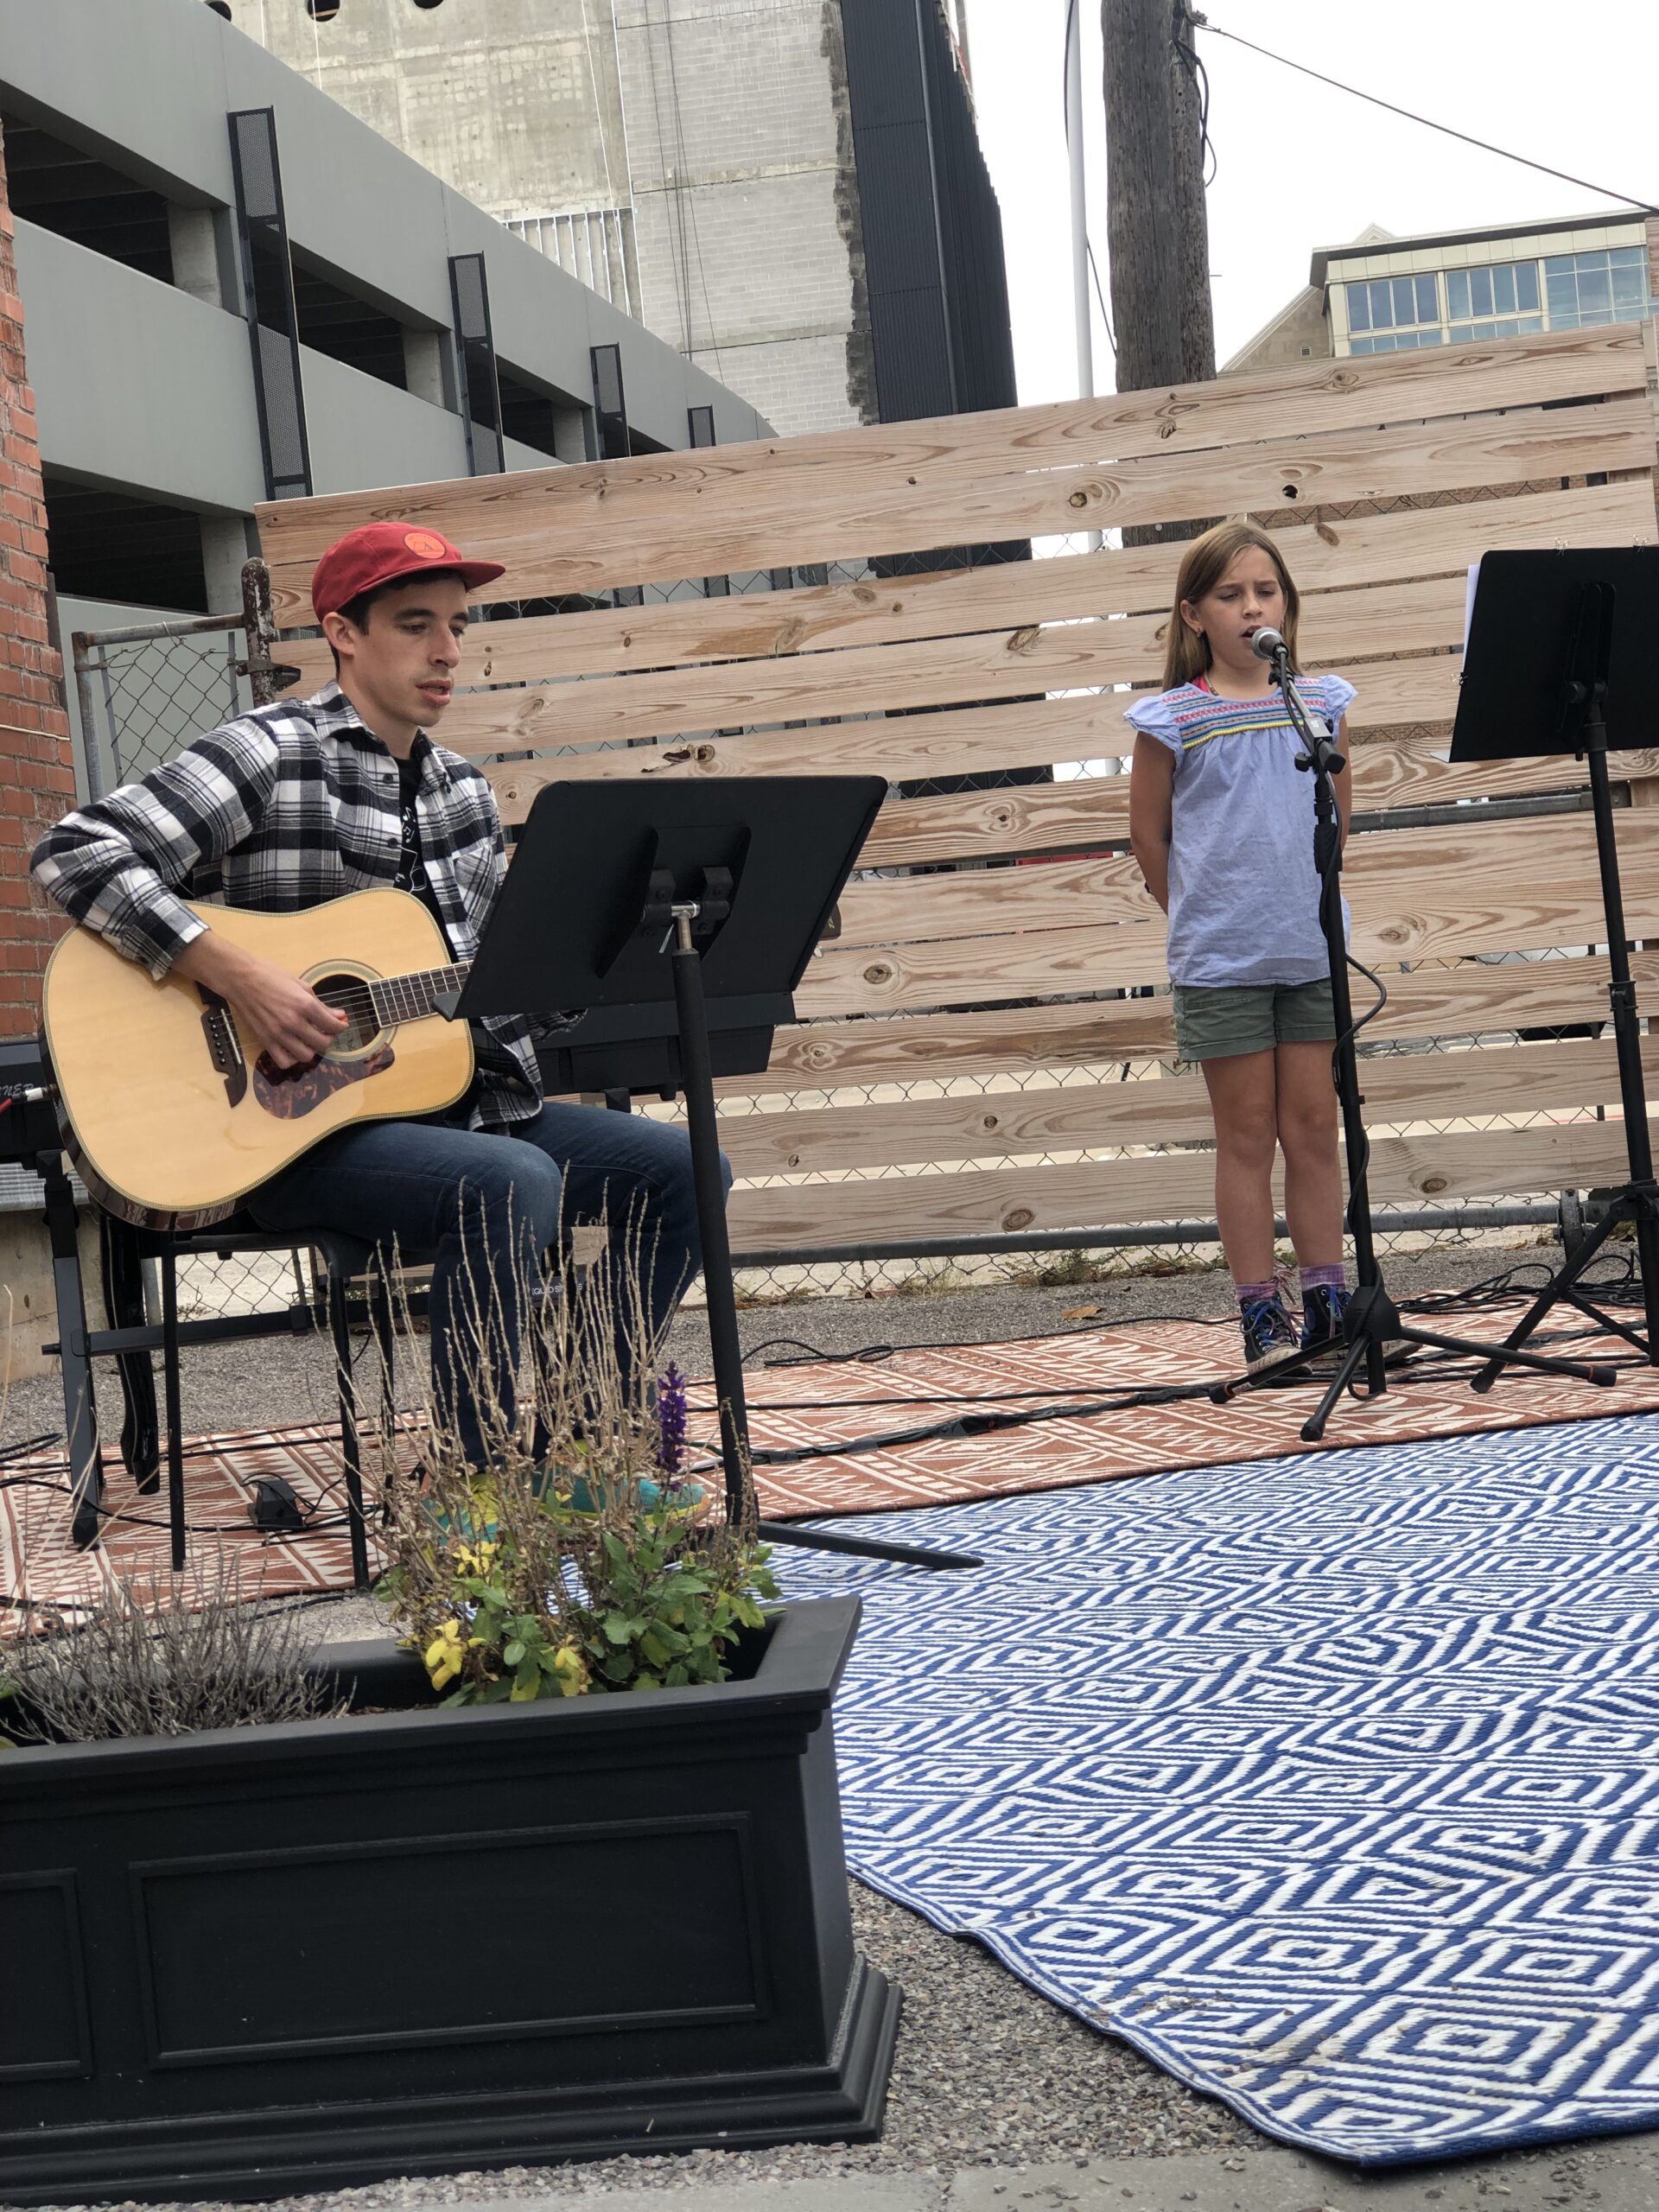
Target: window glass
(1476, 333)
(1393, 304)
(1610, 286)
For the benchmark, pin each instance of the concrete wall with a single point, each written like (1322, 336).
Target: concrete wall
(515, 102)
(742, 181)
(146, 387)
(723, 124)
(1300, 333)
(138, 383)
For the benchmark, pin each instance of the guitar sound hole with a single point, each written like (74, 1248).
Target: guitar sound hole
(350, 993)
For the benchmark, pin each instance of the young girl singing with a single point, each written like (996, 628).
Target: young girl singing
(1222, 825)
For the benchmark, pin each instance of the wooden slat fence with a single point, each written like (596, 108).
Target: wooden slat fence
(967, 1064)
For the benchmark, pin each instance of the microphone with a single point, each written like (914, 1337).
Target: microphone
(1268, 644)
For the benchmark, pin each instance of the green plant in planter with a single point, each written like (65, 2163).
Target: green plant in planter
(580, 1558)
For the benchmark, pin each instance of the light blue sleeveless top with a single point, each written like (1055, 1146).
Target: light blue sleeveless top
(1243, 892)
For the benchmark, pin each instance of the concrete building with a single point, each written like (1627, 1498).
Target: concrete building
(235, 290)
(1386, 294)
(792, 195)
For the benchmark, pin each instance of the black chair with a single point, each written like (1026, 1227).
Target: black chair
(134, 1334)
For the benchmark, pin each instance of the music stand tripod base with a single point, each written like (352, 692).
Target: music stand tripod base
(1372, 1321)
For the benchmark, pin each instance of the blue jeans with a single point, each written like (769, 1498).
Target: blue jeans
(483, 1208)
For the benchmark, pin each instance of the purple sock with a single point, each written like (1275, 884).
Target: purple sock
(1335, 1277)
(1247, 1293)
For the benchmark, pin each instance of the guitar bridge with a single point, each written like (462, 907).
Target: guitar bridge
(224, 1045)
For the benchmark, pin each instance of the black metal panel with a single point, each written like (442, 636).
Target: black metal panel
(931, 228)
(480, 390)
(700, 422)
(610, 401)
(970, 229)
(268, 295)
(611, 424)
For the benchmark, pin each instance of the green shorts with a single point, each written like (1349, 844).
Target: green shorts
(1216, 1025)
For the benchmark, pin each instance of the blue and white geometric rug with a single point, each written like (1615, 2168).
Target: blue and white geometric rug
(1331, 1784)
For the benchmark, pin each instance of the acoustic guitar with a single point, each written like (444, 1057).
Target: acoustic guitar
(172, 1113)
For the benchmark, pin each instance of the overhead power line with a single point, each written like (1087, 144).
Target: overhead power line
(1543, 168)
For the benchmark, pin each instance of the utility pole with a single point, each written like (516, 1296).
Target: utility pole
(1156, 233)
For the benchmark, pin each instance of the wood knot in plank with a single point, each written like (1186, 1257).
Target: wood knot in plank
(1025, 641)
(682, 756)
(879, 972)
(1432, 1185)
(1018, 1218)
(789, 638)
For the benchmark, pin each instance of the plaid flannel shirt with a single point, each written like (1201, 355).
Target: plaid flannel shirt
(278, 811)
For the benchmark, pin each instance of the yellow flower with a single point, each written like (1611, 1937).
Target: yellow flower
(442, 1656)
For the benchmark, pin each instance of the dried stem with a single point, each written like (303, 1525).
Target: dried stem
(160, 1656)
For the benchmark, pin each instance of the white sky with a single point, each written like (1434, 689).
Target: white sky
(1301, 166)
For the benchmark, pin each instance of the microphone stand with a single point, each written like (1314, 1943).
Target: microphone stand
(1370, 1320)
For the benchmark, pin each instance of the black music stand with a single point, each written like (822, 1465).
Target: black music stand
(677, 918)
(1558, 649)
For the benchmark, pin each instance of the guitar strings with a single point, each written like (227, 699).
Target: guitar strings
(358, 1000)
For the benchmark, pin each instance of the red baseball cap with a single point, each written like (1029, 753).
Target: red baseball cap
(382, 552)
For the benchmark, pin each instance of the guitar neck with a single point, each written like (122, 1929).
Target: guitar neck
(408, 998)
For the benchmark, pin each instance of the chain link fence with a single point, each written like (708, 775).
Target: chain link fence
(144, 693)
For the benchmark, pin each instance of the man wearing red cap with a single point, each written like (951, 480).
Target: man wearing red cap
(307, 800)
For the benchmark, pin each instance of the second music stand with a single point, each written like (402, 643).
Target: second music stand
(1558, 645)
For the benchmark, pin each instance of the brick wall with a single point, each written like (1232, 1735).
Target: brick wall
(37, 780)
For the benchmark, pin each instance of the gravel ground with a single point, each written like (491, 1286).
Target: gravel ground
(271, 1381)
(988, 2074)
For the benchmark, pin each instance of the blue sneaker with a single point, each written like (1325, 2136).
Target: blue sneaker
(1270, 1332)
(1323, 1308)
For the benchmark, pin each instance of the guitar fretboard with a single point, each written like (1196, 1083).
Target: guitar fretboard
(407, 998)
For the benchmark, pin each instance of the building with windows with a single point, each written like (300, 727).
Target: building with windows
(234, 290)
(1384, 294)
(792, 195)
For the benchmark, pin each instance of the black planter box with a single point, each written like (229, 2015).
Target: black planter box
(260, 1960)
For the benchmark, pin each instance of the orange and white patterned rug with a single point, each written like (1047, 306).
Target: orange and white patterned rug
(817, 1402)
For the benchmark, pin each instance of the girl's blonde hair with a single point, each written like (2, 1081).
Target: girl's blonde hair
(1206, 561)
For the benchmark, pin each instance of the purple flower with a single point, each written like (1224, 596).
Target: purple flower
(671, 1421)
